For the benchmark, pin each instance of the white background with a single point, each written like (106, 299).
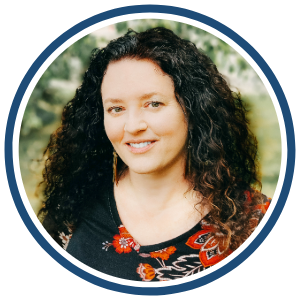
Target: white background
(28, 27)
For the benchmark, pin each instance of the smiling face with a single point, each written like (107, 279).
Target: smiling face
(142, 118)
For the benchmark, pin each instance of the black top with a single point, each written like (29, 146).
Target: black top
(103, 243)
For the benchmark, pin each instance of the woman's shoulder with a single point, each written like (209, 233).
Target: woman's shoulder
(96, 208)
(61, 234)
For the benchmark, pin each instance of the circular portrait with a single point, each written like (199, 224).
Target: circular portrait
(150, 150)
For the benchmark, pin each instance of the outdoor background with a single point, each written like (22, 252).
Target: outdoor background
(58, 84)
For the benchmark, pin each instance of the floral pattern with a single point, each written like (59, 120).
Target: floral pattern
(208, 250)
(199, 251)
(146, 272)
(211, 251)
(164, 254)
(124, 242)
(121, 244)
(65, 239)
(183, 266)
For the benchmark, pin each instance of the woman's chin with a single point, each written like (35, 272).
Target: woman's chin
(144, 169)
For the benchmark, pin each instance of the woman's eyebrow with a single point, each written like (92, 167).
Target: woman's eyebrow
(112, 100)
(149, 95)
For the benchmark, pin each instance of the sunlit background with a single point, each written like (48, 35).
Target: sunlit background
(58, 84)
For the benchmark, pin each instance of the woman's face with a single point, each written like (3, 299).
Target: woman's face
(142, 118)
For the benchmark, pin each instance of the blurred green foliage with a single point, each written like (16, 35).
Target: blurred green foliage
(210, 44)
(67, 67)
(58, 84)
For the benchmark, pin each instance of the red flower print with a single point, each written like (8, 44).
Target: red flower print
(198, 239)
(263, 207)
(164, 254)
(146, 272)
(123, 232)
(124, 242)
(210, 253)
(121, 244)
(131, 242)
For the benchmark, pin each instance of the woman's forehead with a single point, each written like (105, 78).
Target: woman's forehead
(139, 66)
(135, 78)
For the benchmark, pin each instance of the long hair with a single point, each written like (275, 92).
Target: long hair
(222, 152)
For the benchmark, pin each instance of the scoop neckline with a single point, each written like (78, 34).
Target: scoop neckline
(155, 247)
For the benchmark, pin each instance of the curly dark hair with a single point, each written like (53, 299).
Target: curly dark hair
(223, 152)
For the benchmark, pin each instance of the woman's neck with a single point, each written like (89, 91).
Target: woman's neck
(158, 207)
(156, 191)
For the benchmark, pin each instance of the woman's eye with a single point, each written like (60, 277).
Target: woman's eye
(154, 104)
(115, 109)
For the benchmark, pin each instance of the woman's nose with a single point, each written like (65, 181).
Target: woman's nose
(135, 123)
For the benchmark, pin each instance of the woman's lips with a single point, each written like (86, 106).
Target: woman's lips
(141, 149)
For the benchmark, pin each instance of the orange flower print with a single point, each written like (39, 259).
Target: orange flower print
(212, 252)
(123, 232)
(121, 244)
(164, 254)
(197, 240)
(263, 207)
(146, 272)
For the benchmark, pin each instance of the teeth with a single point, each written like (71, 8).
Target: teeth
(140, 145)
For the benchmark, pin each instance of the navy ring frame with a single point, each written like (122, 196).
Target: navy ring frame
(288, 172)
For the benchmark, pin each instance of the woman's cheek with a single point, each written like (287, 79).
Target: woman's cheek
(169, 123)
(113, 129)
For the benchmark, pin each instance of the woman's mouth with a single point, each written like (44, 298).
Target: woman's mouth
(140, 147)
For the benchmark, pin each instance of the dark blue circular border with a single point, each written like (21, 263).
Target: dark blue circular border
(289, 134)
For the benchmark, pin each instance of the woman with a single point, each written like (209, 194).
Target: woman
(154, 114)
